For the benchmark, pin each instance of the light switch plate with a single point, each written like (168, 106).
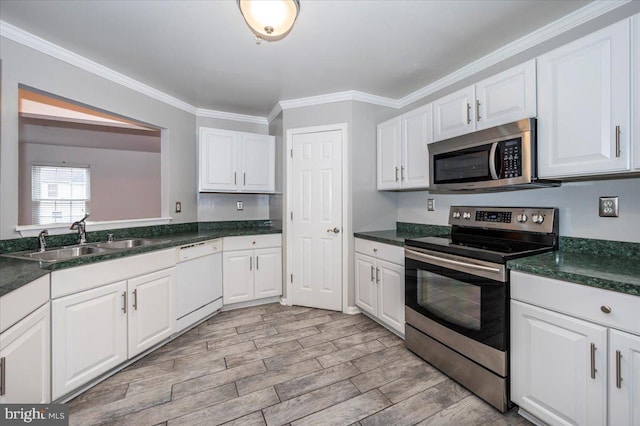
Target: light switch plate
(239, 205)
(608, 207)
(431, 204)
(178, 206)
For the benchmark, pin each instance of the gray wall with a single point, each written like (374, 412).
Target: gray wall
(276, 201)
(23, 65)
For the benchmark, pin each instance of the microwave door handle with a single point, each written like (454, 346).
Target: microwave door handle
(493, 160)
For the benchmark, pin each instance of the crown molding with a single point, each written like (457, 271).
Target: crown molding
(572, 20)
(37, 43)
(580, 16)
(209, 113)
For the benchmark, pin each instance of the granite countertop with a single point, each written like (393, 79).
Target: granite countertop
(619, 274)
(403, 231)
(14, 273)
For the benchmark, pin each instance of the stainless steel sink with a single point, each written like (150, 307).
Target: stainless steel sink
(64, 253)
(130, 243)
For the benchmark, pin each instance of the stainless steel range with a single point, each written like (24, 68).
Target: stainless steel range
(457, 292)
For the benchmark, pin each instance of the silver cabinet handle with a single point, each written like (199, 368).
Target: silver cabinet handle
(477, 109)
(235, 178)
(372, 269)
(334, 230)
(135, 299)
(251, 263)
(124, 302)
(618, 369)
(593, 361)
(257, 262)
(618, 141)
(396, 174)
(244, 178)
(468, 113)
(402, 173)
(377, 275)
(3, 374)
(606, 309)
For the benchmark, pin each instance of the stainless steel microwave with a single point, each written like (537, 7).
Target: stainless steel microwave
(495, 159)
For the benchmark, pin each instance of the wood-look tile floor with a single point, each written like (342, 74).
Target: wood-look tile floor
(277, 365)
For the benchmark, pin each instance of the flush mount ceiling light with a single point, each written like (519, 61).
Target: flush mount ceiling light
(269, 20)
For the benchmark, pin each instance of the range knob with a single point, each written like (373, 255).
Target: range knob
(456, 214)
(537, 218)
(522, 218)
(466, 215)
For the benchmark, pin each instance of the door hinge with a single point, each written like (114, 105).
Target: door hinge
(291, 278)
(291, 152)
(291, 215)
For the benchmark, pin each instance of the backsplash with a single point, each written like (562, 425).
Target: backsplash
(31, 243)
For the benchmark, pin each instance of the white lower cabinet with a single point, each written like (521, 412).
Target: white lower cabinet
(571, 363)
(95, 330)
(89, 335)
(251, 268)
(25, 360)
(379, 282)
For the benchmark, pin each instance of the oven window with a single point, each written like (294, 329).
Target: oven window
(454, 301)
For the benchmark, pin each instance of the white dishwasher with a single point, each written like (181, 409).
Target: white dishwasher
(198, 281)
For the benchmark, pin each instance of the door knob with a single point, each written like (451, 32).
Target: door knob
(334, 230)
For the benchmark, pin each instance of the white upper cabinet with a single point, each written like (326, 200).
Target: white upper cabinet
(454, 115)
(506, 97)
(236, 161)
(584, 105)
(500, 99)
(403, 157)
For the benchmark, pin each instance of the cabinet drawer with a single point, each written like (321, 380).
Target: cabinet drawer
(73, 280)
(247, 242)
(578, 300)
(388, 252)
(21, 302)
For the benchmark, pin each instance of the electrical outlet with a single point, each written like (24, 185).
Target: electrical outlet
(178, 206)
(431, 204)
(239, 205)
(608, 207)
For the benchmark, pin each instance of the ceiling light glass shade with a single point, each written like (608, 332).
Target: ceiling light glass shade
(269, 20)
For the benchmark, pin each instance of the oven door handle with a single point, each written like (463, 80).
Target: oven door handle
(441, 261)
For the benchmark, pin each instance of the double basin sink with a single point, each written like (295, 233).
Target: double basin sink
(84, 250)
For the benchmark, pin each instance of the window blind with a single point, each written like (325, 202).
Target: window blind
(58, 193)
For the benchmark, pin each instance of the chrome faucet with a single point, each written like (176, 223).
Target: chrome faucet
(41, 235)
(81, 226)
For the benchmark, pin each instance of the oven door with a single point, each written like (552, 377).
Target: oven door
(467, 296)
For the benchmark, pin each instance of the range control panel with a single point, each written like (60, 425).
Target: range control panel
(530, 219)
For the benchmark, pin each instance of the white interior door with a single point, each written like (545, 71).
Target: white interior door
(316, 207)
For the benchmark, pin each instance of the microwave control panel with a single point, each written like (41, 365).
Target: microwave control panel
(511, 158)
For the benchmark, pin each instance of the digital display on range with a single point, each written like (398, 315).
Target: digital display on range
(487, 216)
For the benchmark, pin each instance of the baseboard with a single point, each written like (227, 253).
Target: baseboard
(251, 303)
(533, 419)
(284, 301)
(352, 310)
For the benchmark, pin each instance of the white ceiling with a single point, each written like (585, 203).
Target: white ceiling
(202, 53)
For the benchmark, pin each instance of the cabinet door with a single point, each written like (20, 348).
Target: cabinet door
(583, 100)
(218, 160)
(25, 350)
(366, 287)
(237, 276)
(624, 379)
(258, 153)
(454, 115)
(88, 336)
(391, 294)
(389, 153)
(417, 134)
(268, 272)
(551, 366)
(506, 97)
(152, 315)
